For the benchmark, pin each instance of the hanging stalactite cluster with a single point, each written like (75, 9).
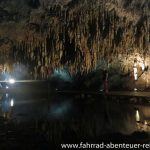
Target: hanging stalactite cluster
(80, 36)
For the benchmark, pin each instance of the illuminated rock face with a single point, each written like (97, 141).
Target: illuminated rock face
(82, 34)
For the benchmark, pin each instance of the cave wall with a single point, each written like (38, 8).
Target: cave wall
(79, 34)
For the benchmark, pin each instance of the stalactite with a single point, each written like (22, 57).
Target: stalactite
(94, 45)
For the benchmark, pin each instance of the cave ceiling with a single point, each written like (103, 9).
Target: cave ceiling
(97, 28)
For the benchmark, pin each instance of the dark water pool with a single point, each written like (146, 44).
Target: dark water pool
(95, 112)
(74, 118)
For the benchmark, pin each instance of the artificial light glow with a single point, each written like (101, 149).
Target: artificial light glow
(135, 70)
(12, 103)
(135, 64)
(6, 95)
(135, 89)
(137, 116)
(145, 122)
(7, 87)
(11, 81)
(135, 77)
(143, 66)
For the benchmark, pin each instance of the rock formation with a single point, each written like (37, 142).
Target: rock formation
(85, 35)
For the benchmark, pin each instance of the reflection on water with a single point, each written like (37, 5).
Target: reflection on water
(60, 109)
(26, 109)
(68, 119)
(137, 116)
(92, 113)
(7, 104)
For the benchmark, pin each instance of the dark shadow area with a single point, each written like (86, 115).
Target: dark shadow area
(39, 123)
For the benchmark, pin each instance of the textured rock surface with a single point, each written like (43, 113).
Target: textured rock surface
(16, 15)
(107, 33)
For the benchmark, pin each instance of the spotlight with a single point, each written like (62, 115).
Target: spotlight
(12, 103)
(135, 89)
(11, 81)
